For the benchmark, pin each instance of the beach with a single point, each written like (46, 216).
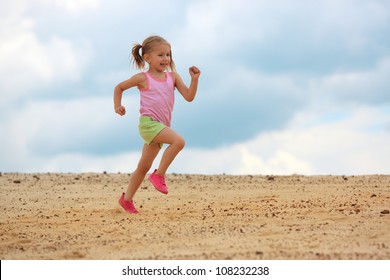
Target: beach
(77, 216)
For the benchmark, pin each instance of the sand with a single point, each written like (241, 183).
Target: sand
(76, 216)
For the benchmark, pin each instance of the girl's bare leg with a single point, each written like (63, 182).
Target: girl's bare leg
(149, 153)
(176, 144)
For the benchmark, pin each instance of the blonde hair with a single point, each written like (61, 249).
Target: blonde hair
(145, 48)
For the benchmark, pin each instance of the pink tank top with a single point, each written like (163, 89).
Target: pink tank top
(158, 98)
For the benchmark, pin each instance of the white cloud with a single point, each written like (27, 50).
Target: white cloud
(356, 86)
(28, 63)
(235, 22)
(73, 162)
(42, 131)
(75, 6)
(218, 26)
(356, 144)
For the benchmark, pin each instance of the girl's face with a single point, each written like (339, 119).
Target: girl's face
(159, 58)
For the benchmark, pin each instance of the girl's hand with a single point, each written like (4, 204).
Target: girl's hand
(194, 72)
(120, 110)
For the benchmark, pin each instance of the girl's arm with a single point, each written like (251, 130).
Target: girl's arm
(188, 93)
(138, 80)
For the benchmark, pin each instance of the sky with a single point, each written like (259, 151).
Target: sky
(286, 87)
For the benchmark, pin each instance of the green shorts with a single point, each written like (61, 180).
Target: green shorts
(149, 128)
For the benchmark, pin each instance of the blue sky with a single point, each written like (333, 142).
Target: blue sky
(286, 86)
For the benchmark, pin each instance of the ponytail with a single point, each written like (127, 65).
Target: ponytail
(172, 64)
(137, 57)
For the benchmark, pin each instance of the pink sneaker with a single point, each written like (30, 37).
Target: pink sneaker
(158, 182)
(127, 205)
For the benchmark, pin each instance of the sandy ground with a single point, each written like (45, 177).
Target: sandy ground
(76, 216)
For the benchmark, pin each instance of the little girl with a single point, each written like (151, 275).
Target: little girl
(156, 88)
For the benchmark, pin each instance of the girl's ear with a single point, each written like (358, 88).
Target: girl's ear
(146, 58)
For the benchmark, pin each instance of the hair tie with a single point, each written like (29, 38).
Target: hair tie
(141, 46)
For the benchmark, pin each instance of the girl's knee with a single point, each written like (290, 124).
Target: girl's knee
(180, 142)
